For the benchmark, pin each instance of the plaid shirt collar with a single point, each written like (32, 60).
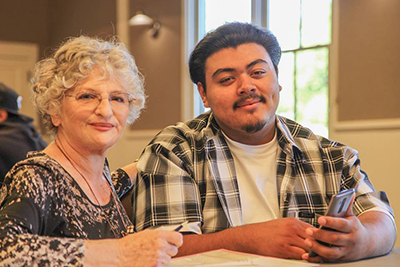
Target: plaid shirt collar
(285, 138)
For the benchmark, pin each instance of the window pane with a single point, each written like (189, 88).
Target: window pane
(217, 13)
(286, 80)
(316, 22)
(284, 22)
(221, 11)
(312, 89)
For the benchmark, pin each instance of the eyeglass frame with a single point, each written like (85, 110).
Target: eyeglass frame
(99, 98)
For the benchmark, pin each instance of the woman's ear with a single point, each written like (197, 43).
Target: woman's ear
(56, 120)
(54, 113)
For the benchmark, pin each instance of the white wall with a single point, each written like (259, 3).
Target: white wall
(377, 141)
(379, 152)
(129, 147)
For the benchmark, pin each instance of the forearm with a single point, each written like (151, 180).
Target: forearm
(381, 232)
(278, 238)
(226, 239)
(104, 252)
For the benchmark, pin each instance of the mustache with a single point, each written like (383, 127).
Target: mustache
(249, 97)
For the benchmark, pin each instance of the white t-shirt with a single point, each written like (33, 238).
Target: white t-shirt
(256, 174)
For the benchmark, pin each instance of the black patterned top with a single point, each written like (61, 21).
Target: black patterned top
(45, 215)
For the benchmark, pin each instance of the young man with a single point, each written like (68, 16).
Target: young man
(17, 135)
(249, 180)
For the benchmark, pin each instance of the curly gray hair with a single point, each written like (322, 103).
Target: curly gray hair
(75, 60)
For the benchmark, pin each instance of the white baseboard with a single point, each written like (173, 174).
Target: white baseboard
(383, 124)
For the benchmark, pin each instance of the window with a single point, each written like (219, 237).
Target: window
(303, 28)
(214, 13)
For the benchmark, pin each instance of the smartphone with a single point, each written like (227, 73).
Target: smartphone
(337, 208)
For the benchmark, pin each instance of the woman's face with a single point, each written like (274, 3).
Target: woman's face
(93, 115)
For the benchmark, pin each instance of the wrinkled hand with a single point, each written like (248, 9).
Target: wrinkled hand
(283, 238)
(349, 240)
(149, 247)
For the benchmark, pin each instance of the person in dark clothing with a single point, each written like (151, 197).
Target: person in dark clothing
(17, 134)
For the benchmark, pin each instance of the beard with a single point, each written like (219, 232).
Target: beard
(255, 127)
(251, 127)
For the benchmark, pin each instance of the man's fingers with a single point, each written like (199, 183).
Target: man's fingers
(339, 224)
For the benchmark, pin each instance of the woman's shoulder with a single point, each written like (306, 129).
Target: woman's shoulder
(37, 169)
(39, 159)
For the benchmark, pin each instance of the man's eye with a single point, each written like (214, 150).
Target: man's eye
(87, 96)
(226, 80)
(258, 72)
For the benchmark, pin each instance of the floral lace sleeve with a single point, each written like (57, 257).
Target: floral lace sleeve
(34, 250)
(121, 181)
(25, 207)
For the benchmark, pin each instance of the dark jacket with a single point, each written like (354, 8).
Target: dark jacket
(17, 137)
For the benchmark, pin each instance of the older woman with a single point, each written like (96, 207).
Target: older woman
(61, 206)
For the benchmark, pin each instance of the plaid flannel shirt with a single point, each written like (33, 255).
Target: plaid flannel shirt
(187, 172)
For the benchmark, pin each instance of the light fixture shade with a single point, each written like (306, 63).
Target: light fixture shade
(140, 19)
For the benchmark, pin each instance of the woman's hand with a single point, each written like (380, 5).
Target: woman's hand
(149, 248)
(146, 248)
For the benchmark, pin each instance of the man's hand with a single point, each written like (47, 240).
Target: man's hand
(371, 234)
(348, 243)
(282, 238)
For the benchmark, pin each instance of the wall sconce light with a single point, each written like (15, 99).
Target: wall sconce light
(142, 19)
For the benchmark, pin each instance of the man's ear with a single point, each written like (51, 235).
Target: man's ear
(3, 115)
(202, 93)
(277, 77)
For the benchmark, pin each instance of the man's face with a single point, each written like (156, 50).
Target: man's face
(242, 90)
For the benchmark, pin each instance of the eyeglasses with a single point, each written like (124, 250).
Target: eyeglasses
(93, 99)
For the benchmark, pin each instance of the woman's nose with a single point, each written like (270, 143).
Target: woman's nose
(104, 108)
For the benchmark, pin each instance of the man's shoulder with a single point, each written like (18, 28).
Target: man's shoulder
(304, 135)
(184, 131)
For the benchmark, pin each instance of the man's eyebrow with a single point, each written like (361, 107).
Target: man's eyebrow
(218, 71)
(255, 62)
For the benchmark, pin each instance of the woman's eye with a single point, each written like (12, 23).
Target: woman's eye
(119, 99)
(87, 96)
